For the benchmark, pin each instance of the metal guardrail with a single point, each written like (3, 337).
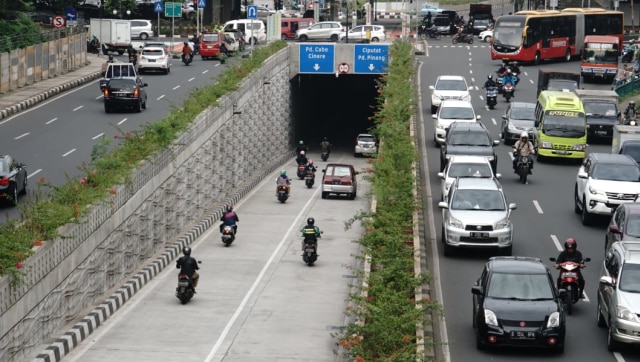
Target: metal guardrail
(628, 88)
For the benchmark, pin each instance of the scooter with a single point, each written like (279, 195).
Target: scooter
(310, 255)
(569, 282)
(462, 38)
(627, 54)
(492, 97)
(283, 195)
(507, 91)
(187, 59)
(523, 169)
(302, 170)
(309, 179)
(185, 290)
(325, 155)
(228, 235)
(133, 59)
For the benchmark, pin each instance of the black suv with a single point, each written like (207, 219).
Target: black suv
(469, 139)
(13, 179)
(125, 93)
(515, 303)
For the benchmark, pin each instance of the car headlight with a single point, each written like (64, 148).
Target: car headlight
(440, 125)
(624, 313)
(594, 191)
(546, 145)
(502, 224)
(579, 147)
(490, 318)
(466, 97)
(455, 223)
(511, 126)
(554, 320)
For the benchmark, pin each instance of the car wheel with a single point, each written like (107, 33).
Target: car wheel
(304, 38)
(283, 37)
(536, 58)
(487, 39)
(144, 36)
(612, 344)
(585, 216)
(448, 249)
(13, 195)
(599, 317)
(166, 71)
(324, 195)
(479, 345)
(24, 186)
(144, 105)
(107, 109)
(352, 196)
(375, 40)
(576, 202)
(334, 38)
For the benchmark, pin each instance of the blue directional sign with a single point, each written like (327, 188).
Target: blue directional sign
(71, 13)
(252, 12)
(371, 59)
(317, 58)
(202, 4)
(157, 7)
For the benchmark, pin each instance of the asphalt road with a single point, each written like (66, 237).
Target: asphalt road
(543, 220)
(256, 300)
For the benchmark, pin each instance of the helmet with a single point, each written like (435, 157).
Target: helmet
(186, 251)
(570, 243)
(311, 221)
(310, 162)
(302, 153)
(490, 77)
(632, 103)
(186, 43)
(283, 173)
(325, 138)
(524, 135)
(508, 71)
(301, 142)
(229, 208)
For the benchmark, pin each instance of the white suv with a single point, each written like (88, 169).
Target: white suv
(324, 30)
(449, 87)
(451, 111)
(605, 181)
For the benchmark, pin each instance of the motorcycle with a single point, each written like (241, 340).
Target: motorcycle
(325, 155)
(523, 168)
(228, 235)
(310, 254)
(283, 194)
(309, 179)
(630, 119)
(492, 97)
(499, 81)
(462, 38)
(185, 290)
(507, 91)
(133, 59)
(302, 170)
(433, 34)
(187, 59)
(569, 282)
(627, 54)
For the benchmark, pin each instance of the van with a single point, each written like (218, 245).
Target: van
(254, 30)
(290, 25)
(561, 126)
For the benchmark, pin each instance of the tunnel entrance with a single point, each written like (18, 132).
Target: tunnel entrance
(336, 107)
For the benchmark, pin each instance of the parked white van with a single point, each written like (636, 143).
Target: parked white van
(254, 30)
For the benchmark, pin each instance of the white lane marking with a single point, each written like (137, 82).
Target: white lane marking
(34, 173)
(159, 98)
(22, 135)
(121, 122)
(537, 205)
(473, 80)
(191, 79)
(98, 136)
(176, 87)
(53, 120)
(531, 81)
(205, 71)
(556, 242)
(525, 73)
(493, 120)
(470, 71)
(481, 98)
(69, 152)
(478, 89)
(100, 96)
(618, 356)
(75, 109)
(510, 155)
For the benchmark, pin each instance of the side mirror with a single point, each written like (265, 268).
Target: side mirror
(476, 289)
(434, 116)
(582, 174)
(441, 175)
(513, 206)
(469, 88)
(496, 143)
(614, 229)
(498, 176)
(478, 117)
(562, 293)
(432, 87)
(536, 124)
(504, 116)
(323, 170)
(608, 281)
(145, 84)
(443, 205)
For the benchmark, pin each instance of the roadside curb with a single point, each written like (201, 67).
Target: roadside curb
(79, 332)
(32, 101)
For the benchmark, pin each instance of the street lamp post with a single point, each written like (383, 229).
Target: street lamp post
(128, 14)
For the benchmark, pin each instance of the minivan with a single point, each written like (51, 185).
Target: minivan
(290, 25)
(141, 29)
(254, 30)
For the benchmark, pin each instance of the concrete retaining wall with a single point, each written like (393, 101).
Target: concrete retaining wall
(180, 189)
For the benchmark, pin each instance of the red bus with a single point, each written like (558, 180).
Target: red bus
(602, 22)
(532, 36)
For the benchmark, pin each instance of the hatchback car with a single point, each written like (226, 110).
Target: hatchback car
(619, 294)
(365, 144)
(486, 35)
(123, 93)
(141, 28)
(451, 111)
(13, 179)
(324, 30)
(339, 179)
(624, 224)
(519, 117)
(464, 166)
(449, 87)
(210, 45)
(515, 303)
(154, 58)
(476, 214)
(358, 34)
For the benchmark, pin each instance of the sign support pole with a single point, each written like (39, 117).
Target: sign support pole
(158, 33)
(173, 21)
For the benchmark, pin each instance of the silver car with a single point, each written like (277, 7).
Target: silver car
(464, 166)
(365, 145)
(476, 214)
(324, 30)
(141, 28)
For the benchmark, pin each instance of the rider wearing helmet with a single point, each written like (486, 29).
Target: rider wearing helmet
(301, 147)
(311, 233)
(187, 51)
(311, 168)
(229, 217)
(571, 253)
(188, 266)
(325, 145)
(508, 78)
(503, 67)
(630, 112)
(302, 158)
(283, 180)
(515, 70)
(523, 144)
(490, 82)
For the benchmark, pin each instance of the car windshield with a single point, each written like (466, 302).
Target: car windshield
(478, 200)
(470, 170)
(519, 286)
(564, 124)
(523, 113)
(469, 139)
(630, 278)
(632, 150)
(616, 172)
(632, 228)
(562, 84)
(600, 109)
(508, 32)
(451, 84)
(457, 113)
(210, 38)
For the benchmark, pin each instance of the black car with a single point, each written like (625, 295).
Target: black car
(13, 179)
(515, 303)
(469, 139)
(519, 117)
(631, 148)
(624, 224)
(125, 93)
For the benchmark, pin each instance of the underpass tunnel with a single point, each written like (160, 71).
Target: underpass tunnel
(338, 108)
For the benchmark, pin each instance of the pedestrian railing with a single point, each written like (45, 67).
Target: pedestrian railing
(628, 87)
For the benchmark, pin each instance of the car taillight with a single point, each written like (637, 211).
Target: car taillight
(4, 181)
(346, 182)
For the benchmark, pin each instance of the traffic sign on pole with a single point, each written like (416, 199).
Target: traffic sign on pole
(316, 58)
(371, 59)
(173, 10)
(252, 12)
(157, 7)
(202, 4)
(58, 21)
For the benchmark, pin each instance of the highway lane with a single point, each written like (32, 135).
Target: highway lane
(256, 300)
(543, 220)
(57, 136)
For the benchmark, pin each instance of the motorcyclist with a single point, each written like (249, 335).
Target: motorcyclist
(132, 54)
(188, 266)
(571, 253)
(523, 144)
(325, 146)
(283, 180)
(503, 67)
(230, 218)
(508, 78)
(490, 82)
(311, 168)
(301, 159)
(301, 147)
(630, 112)
(187, 51)
(515, 70)
(311, 233)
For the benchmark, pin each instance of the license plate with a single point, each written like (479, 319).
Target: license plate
(183, 284)
(601, 133)
(309, 250)
(569, 275)
(479, 235)
(561, 152)
(522, 335)
(152, 60)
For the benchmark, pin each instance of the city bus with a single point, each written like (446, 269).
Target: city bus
(602, 22)
(561, 126)
(532, 36)
(599, 58)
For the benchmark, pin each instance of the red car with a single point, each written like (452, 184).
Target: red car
(210, 45)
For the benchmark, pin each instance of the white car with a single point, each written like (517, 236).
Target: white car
(450, 111)
(358, 34)
(365, 145)
(232, 44)
(324, 30)
(486, 35)
(605, 181)
(449, 87)
(464, 166)
(154, 58)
